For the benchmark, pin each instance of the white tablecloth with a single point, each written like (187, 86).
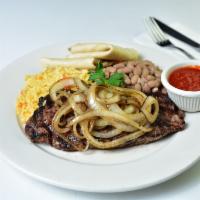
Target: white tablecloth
(27, 25)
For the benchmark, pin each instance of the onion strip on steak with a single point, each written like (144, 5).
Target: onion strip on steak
(103, 117)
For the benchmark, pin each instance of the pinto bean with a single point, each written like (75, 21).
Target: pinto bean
(111, 69)
(151, 70)
(134, 79)
(130, 75)
(145, 72)
(142, 80)
(137, 70)
(158, 73)
(126, 70)
(158, 82)
(146, 88)
(119, 65)
(138, 86)
(127, 80)
(150, 78)
(154, 83)
(131, 65)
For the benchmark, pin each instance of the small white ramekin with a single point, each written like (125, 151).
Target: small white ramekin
(186, 100)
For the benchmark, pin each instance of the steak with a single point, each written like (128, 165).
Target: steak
(170, 120)
(38, 128)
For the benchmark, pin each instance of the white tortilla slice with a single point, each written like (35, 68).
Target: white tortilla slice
(79, 63)
(102, 51)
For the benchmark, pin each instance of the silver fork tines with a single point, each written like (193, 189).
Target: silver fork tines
(159, 37)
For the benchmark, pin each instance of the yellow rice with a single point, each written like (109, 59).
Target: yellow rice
(38, 85)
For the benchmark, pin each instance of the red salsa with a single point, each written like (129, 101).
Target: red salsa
(186, 78)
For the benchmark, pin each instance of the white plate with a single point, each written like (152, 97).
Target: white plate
(95, 170)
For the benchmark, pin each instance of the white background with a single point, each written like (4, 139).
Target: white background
(27, 25)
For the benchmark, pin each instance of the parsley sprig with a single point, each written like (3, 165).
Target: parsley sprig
(98, 76)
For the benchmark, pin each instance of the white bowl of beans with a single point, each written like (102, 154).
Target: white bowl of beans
(182, 82)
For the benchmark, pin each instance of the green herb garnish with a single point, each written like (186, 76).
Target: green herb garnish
(98, 76)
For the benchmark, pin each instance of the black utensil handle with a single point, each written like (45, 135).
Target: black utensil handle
(167, 29)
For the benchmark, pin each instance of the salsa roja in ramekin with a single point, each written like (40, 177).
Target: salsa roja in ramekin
(186, 78)
(182, 82)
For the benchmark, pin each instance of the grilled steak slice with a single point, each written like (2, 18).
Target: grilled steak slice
(59, 143)
(36, 130)
(38, 127)
(170, 120)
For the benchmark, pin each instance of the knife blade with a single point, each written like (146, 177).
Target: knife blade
(176, 34)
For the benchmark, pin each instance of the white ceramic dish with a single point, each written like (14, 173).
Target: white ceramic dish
(185, 100)
(93, 171)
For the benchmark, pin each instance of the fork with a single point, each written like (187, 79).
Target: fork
(160, 38)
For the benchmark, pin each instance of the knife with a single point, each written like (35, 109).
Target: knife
(174, 33)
